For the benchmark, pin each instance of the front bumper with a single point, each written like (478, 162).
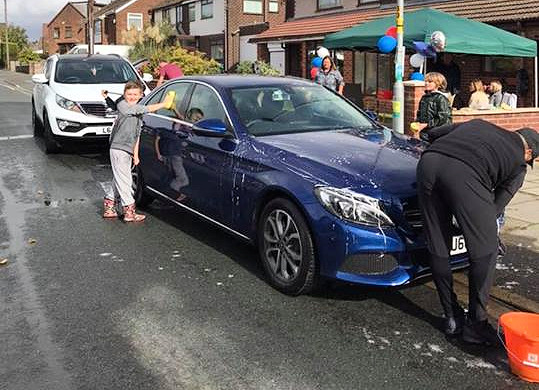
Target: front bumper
(369, 255)
(89, 127)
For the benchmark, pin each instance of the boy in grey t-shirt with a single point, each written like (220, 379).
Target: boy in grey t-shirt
(124, 148)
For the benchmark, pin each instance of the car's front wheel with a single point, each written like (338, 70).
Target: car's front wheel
(142, 198)
(36, 123)
(51, 145)
(286, 248)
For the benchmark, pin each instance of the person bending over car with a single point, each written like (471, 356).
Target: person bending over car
(470, 171)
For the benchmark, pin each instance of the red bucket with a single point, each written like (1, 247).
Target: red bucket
(521, 332)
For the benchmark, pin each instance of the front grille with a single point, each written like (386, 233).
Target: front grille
(98, 109)
(412, 214)
(370, 264)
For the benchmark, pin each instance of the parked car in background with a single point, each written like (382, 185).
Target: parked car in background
(122, 50)
(299, 171)
(66, 100)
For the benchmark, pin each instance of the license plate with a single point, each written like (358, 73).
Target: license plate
(458, 245)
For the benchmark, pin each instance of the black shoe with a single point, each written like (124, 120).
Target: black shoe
(453, 325)
(502, 249)
(480, 333)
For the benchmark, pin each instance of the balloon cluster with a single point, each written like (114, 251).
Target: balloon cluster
(388, 42)
(424, 50)
(316, 63)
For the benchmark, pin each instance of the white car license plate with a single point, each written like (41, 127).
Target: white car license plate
(106, 130)
(458, 245)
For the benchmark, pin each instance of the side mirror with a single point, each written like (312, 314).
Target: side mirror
(210, 128)
(39, 78)
(147, 77)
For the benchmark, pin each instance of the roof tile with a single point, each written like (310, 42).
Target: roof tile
(487, 11)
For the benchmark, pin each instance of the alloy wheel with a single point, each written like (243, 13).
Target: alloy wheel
(282, 245)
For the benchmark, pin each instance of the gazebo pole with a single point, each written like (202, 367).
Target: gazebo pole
(398, 87)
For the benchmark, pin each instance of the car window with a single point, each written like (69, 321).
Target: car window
(94, 71)
(204, 104)
(267, 110)
(176, 112)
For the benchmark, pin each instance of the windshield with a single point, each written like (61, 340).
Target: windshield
(295, 108)
(94, 72)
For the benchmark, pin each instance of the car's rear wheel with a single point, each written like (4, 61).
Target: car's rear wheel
(286, 248)
(51, 145)
(36, 123)
(142, 198)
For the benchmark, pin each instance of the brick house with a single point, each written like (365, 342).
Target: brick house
(204, 24)
(67, 28)
(120, 16)
(367, 72)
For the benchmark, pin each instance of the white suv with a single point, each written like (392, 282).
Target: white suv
(66, 102)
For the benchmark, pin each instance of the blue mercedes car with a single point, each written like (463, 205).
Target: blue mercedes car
(322, 190)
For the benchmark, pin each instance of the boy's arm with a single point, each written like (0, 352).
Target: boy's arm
(167, 103)
(136, 159)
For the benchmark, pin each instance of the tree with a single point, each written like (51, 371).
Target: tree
(16, 35)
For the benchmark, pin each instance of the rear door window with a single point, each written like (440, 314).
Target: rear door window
(177, 111)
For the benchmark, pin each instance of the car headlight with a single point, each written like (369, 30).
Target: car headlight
(67, 104)
(352, 206)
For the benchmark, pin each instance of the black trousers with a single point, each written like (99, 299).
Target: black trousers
(448, 187)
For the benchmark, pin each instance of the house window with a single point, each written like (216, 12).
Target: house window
(56, 33)
(134, 21)
(68, 32)
(373, 72)
(325, 4)
(216, 50)
(206, 9)
(252, 6)
(192, 12)
(97, 32)
(273, 6)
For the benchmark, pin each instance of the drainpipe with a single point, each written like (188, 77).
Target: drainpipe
(535, 83)
(226, 37)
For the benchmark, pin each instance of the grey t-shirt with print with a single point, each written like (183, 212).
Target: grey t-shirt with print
(332, 79)
(127, 127)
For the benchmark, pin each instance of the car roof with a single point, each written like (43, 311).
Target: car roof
(97, 57)
(243, 81)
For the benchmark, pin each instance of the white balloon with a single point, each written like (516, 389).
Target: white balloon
(322, 52)
(416, 60)
(437, 40)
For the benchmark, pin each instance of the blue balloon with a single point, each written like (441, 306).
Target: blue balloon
(387, 44)
(316, 62)
(424, 49)
(417, 76)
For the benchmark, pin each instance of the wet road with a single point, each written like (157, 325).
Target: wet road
(177, 304)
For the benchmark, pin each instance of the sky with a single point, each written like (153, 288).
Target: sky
(31, 14)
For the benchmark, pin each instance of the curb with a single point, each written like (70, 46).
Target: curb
(509, 298)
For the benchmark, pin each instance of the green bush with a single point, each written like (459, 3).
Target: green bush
(146, 43)
(256, 67)
(191, 62)
(27, 56)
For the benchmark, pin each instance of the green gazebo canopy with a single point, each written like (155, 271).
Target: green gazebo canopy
(462, 35)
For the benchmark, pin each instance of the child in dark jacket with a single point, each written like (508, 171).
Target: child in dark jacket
(434, 107)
